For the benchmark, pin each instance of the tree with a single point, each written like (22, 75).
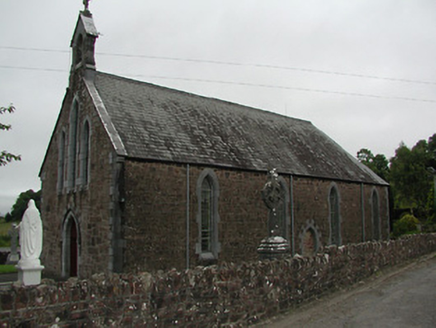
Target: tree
(6, 157)
(378, 163)
(20, 205)
(432, 151)
(410, 180)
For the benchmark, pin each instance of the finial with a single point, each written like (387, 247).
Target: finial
(86, 4)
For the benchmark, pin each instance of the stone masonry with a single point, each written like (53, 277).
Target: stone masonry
(228, 295)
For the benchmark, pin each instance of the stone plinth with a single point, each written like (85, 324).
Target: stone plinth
(29, 272)
(274, 247)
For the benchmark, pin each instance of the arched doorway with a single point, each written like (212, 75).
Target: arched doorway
(70, 247)
(73, 249)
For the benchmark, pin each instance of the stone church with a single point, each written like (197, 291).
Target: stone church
(139, 177)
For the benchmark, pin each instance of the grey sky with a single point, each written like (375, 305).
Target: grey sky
(312, 39)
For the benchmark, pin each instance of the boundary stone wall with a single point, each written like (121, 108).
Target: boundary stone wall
(229, 295)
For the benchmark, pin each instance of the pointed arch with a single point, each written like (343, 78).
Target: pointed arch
(61, 161)
(72, 144)
(208, 245)
(281, 216)
(71, 243)
(375, 213)
(85, 151)
(309, 239)
(334, 216)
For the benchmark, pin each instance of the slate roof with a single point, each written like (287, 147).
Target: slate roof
(158, 123)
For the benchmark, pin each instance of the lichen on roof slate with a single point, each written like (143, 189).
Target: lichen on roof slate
(158, 123)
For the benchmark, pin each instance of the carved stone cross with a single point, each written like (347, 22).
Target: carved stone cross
(272, 197)
(274, 246)
(271, 193)
(13, 256)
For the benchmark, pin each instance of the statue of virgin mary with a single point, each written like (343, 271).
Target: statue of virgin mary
(30, 236)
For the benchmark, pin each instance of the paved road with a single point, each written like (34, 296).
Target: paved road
(404, 297)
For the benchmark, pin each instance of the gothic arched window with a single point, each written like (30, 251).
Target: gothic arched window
(334, 217)
(206, 215)
(281, 215)
(61, 161)
(208, 246)
(72, 144)
(85, 153)
(376, 233)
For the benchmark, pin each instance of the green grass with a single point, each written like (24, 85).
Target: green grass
(7, 269)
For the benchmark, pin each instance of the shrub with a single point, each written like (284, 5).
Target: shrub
(408, 224)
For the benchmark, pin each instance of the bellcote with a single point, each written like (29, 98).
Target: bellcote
(83, 41)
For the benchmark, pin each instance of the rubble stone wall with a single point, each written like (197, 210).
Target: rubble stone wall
(228, 295)
(88, 204)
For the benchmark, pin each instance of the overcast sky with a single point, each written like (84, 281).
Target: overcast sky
(362, 71)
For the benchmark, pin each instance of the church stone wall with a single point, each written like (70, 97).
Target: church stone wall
(88, 204)
(155, 213)
(145, 229)
(228, 295)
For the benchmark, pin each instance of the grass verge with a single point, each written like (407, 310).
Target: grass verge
(7, 268)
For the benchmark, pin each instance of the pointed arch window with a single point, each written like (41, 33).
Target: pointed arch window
(334, 217)
(376, 231)
(280, 220)
(72, 144)
(206, 215)
(85, 153)
(61, 161)
(207, 246)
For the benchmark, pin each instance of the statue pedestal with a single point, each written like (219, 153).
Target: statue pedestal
(275, 247)
(29, 272)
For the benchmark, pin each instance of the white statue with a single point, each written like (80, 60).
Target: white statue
(30, 236)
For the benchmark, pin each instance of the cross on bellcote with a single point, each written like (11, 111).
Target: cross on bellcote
(86, 4)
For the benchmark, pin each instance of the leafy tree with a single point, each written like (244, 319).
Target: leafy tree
(431, 167)
(378, 163)
(432, 151)
(6, 157)
(365, 156)
(410, 180)
(20, 205)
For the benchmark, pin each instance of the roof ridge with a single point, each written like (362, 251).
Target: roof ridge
(202, 96)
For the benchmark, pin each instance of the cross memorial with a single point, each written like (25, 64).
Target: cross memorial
(13, 256)
(274, 246)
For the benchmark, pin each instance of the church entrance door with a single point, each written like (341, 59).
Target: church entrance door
(73, 249)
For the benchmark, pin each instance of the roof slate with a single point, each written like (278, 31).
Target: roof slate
(158, 123)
